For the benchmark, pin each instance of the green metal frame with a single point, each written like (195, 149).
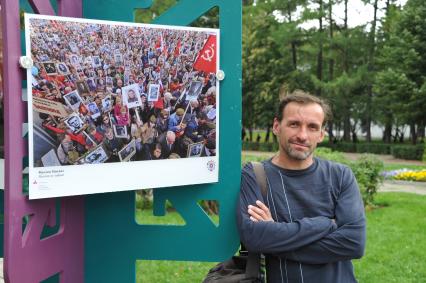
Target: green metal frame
(113, 239)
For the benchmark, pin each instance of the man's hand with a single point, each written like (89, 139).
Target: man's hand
(260, 212)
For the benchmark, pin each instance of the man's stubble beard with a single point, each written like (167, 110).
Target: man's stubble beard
(297, 155)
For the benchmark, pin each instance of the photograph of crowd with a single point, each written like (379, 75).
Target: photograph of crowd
(128, 92)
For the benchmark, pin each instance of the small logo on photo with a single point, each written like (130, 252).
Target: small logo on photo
(211, 165)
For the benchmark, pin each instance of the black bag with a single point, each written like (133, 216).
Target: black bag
(247, 267)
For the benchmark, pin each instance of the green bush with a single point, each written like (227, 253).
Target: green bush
(361, 147)
(424, 152)
(411, 152)
(367, 172)
(336, 156)
(345, 146)
(247, 145)
(262, 146)
(268, 147)
(376, 148)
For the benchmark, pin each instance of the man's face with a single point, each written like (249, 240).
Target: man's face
(109, 135)
(73, 121)
(300, 130)
(157, 152)
(131, 94)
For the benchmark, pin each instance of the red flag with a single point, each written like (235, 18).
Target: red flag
(206, 60)
(177, 49)
(158, 43)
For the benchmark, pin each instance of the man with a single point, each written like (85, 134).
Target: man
(168, 146)
(175, 121)
(312, 222)
(113, 145)
(131, 96)
(74, 123)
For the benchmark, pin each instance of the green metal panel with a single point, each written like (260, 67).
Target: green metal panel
(114, 241)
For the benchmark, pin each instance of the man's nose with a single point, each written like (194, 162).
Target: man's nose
(302, 134)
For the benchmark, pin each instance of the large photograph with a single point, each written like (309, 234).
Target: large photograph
(134, 98)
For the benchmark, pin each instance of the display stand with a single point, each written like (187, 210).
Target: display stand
(97, 238)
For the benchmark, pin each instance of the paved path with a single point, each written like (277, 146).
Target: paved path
(403, 186)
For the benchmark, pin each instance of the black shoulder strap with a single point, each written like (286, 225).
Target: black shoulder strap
(253, 261)
(259, 172)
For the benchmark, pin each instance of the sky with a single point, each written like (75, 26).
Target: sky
(358, 13)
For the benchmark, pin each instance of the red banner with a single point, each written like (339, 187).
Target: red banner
(206, 60)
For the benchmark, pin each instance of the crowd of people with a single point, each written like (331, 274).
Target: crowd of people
(130, 93)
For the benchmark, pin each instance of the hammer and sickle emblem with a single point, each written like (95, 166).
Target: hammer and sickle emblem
(208, 53)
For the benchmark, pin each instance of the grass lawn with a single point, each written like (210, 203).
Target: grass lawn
(395, 252)
(150, 271)
(396, 241)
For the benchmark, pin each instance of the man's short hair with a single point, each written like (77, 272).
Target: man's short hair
(301, 97)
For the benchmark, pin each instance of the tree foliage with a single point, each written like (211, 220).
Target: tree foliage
(372, 73)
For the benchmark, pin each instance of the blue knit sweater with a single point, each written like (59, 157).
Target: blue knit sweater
(304, 244)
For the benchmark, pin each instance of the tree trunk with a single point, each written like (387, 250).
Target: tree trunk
(346, 103)
(413, 133)
(268, 132)
(345, 31)
(251, 134)
(347, 128)
(330, 34)
(421, 132)
(370, 70)
(320, 51)
(387, 133)
(294, 54)
(293, 42)
(330, 132)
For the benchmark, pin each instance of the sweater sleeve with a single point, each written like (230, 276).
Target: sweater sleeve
(348, 240)
(274, 237)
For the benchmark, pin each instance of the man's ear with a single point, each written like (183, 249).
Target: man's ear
(322, 135)
(276, 127)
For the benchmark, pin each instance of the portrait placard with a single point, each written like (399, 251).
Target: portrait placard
(153, 92)
(50, 159)
(128, 151)
(75, 60)
(107, 104)
(73, 100)
(74, 123)
(96, 156)
(194, 90)
(93, 110)
(50, 68)
(131, 96)
(120, 131)
(62, 69)
(96, 62)
(82, 87)
(195, 149)
(105, 82)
